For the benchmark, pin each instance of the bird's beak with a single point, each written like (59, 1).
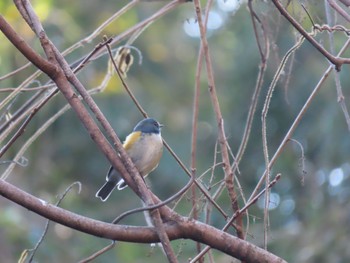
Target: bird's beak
(160, 125)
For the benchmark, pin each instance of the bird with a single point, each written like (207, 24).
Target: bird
(144, 145)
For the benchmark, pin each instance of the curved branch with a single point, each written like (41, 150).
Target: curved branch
(181, 228)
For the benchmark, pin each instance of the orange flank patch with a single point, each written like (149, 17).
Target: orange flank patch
(131, 139)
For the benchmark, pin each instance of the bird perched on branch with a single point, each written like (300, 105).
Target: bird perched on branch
(145, 147)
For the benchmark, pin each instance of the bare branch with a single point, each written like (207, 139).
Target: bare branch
(339, 10)
(237, 213)
(345, 2)
(341, 97)
(54, 55)
(216, 105)
(181, 228)
(98, 253)
(144, 113)
(336, 61)
(264, 131)
(297, 120)
(62, 196)
(20, 131)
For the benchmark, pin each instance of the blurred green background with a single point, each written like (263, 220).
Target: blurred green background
(309, 221)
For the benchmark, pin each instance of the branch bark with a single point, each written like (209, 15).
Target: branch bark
(179, 228)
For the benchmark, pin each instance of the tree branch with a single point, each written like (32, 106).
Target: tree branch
(336, 61)
(229, 176)
(340, 10)
(297, 120)
(55, 57)
(181, 228)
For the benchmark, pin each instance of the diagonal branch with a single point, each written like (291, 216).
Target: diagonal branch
(67, 75)
(340, 10)
(336, 61)
(345, 2)
(297, 120)
(229, 176)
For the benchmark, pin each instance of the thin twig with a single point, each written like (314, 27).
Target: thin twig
(144, 194)
(98, 253)
(161, 12)
(199, 178)
(341, 97)
(69, 50)
(339, 10)
(335, 60)
(166, 145)
(21, 130)
(22, 161)
(60, 198)
(138, 105)
(35, 109)
(297, 120)
(216, 106)
(40, 130)
(44, 87)
(54, 57)
(195, 121)
(158, 205)
(264, 132)
(302, 159)
(15, 117)
(237, 213)
(35, 136)
(14, 72)
(19, 114)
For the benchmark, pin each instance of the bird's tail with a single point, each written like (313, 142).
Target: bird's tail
(106, 190)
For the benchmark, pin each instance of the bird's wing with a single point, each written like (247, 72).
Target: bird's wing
(131, 139)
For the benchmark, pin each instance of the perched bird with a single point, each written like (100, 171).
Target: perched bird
(145, 147)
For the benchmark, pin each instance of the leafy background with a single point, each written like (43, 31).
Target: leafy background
(310, 212)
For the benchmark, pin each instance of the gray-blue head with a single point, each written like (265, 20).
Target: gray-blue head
(148, 125)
